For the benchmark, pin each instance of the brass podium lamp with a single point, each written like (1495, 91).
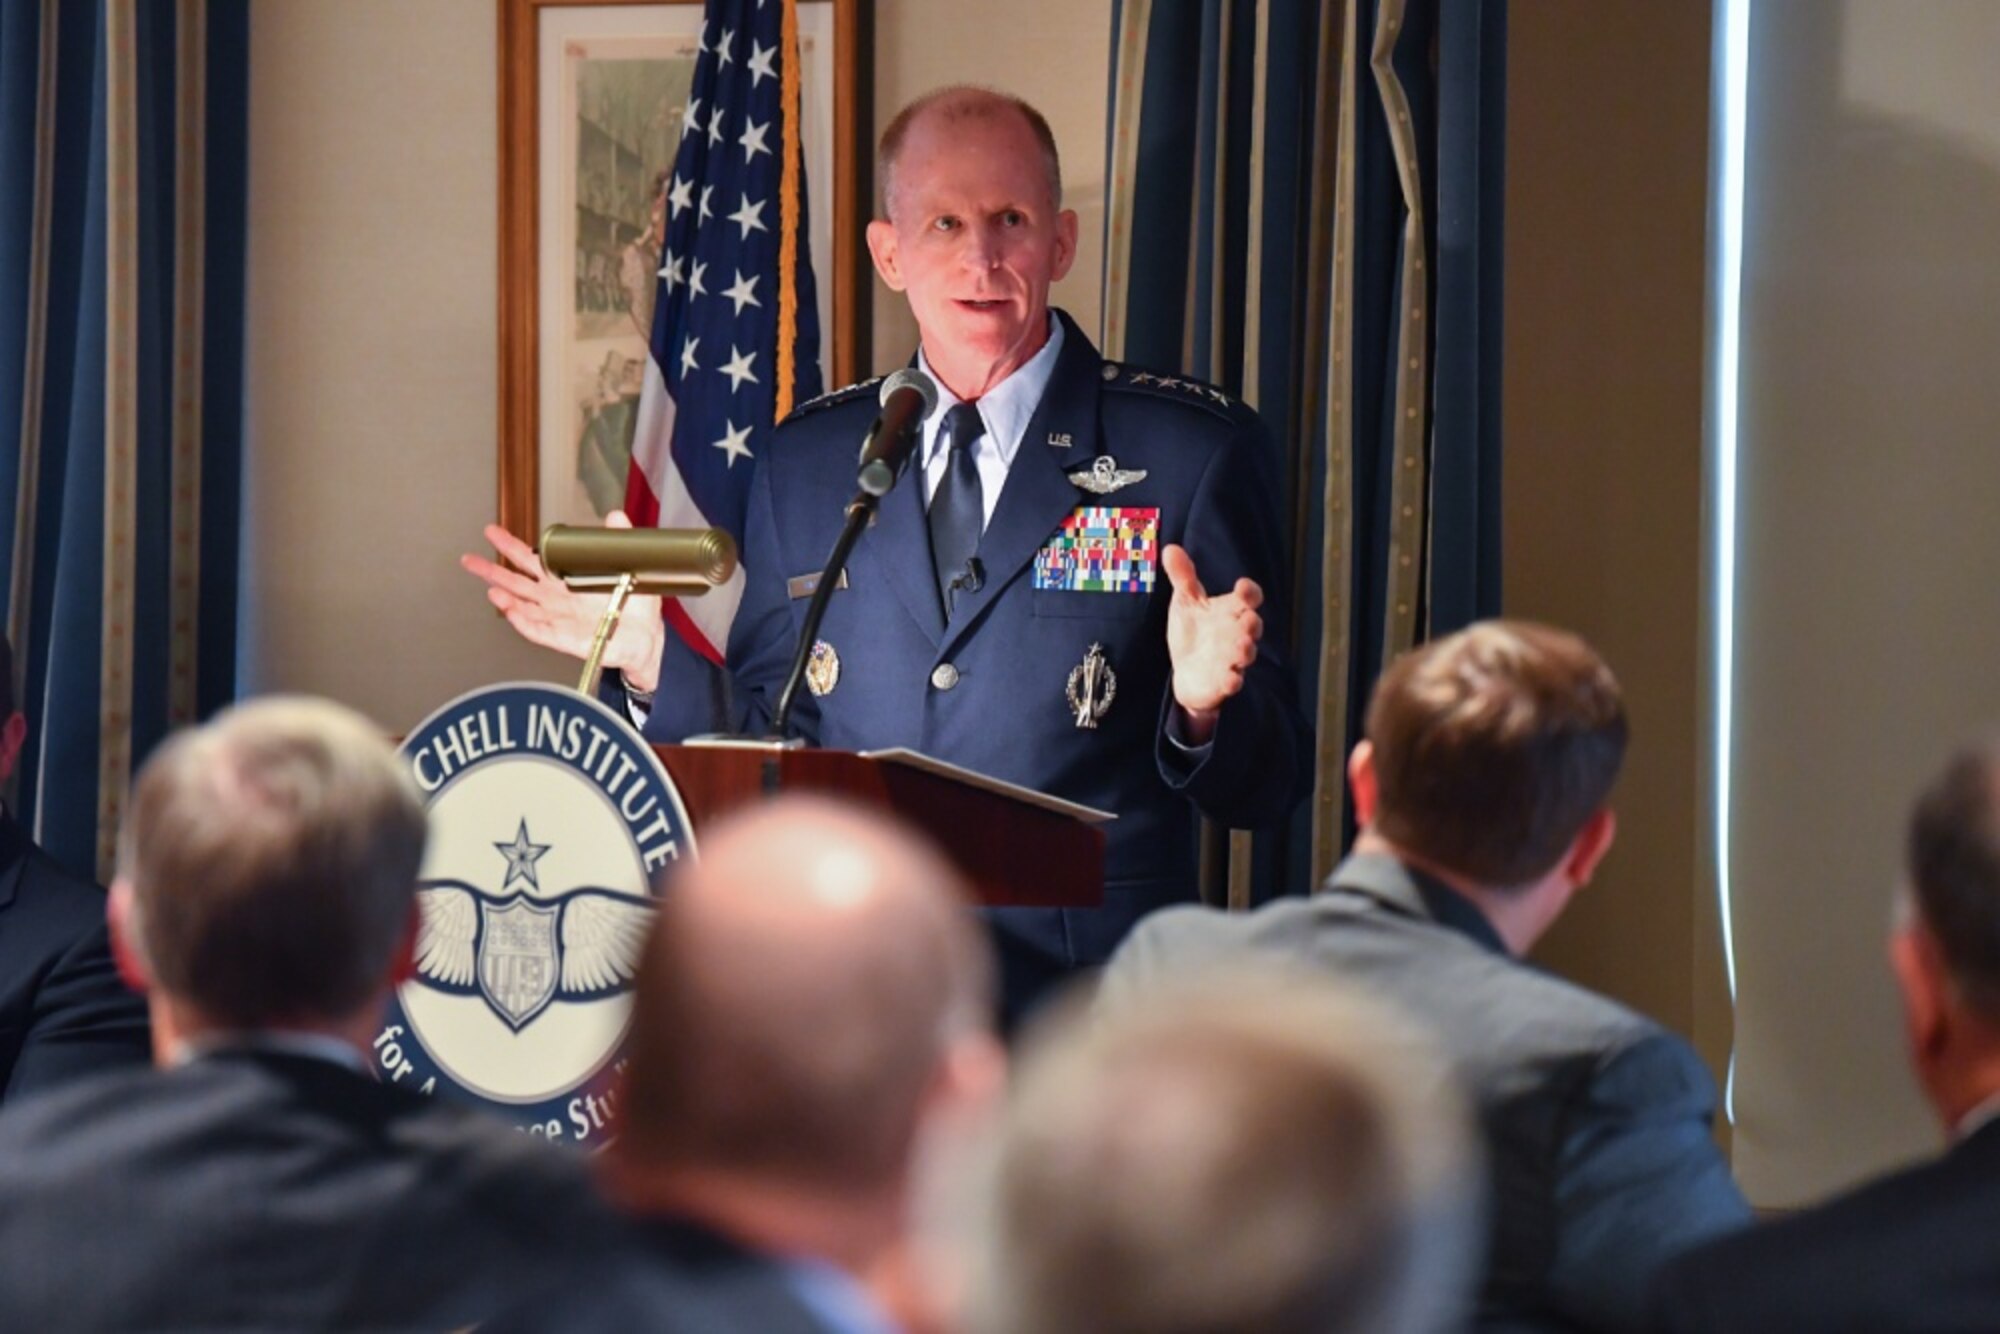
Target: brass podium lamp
(663, 562)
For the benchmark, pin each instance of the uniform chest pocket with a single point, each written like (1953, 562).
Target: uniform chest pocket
(1096, 606)
(1101, 562)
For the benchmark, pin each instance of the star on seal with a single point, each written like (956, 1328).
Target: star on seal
(1104, 476)
(521, 857)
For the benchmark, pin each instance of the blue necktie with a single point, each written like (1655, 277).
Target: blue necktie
(958, 509)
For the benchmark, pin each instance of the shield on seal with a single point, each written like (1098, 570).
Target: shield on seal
(517, 959)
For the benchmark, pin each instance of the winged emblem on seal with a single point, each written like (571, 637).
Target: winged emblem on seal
(519, 953)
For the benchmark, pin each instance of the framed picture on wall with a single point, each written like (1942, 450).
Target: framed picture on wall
(591, 101)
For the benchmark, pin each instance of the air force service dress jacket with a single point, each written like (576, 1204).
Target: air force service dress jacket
(1115, 464)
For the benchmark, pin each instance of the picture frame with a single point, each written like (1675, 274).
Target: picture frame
(590, 92)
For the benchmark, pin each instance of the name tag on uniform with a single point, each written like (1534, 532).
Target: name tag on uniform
(1102, 549)
(804, 585)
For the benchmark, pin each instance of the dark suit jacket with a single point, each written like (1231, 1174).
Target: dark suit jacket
(1596, 1120)
(256, 1191)
(63, 1010)
(986, 688)
(670, 1277)
(1916, 1251)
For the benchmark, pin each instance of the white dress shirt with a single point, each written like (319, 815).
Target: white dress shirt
(1005, 410)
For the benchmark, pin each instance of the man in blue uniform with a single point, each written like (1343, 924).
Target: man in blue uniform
(1030, 601)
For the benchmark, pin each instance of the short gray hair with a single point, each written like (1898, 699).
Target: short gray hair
(1234, 1153)
(272, 856)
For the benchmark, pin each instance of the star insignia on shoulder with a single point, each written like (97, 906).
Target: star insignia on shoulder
(833, 396)
(1194, 389)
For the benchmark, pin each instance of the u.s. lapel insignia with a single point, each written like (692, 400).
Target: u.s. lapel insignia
(1104, 476)
(1092, 686)
(822, 668)
(1060, 439)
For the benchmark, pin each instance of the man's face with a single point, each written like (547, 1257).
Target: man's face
(974, 240)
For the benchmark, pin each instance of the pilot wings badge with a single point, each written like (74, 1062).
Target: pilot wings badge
(518, 954)
(1104, 476)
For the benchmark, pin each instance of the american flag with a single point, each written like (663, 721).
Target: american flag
(735, 339)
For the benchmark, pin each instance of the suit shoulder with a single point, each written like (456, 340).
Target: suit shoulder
(859, 391)
(52, 892)
(1864, 1260)
(1171, 930)
(79, 1116)
(1633, 1059)
(1175, 394)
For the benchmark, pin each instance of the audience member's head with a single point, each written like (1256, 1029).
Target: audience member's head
(815, 991)
(1945, 948)
(1234, 1154)
(1489, 756)
(267, 873)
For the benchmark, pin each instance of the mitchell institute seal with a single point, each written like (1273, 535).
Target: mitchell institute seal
(550, 822)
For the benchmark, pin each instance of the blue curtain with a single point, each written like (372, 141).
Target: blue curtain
(1305, 208)
(122, 183)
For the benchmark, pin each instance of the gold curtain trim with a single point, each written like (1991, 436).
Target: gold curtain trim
(121, 424)
(1409, 495)
(1242, 842)
(1336, 641)
(190, 168)
(1134, 26)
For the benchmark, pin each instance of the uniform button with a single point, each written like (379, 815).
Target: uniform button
(944, 676)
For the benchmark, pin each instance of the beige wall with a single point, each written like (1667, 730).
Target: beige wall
(1867, 644)
(923, 44)
(1603, 400)
(372, 371)
(1866, 476)
(373, 194)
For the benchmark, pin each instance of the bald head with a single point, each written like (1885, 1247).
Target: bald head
(808, 976)
(944, 108)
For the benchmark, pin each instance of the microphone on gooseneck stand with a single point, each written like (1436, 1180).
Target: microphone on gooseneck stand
(908, 397)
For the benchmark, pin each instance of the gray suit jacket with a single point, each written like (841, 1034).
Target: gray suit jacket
(1596, 1120)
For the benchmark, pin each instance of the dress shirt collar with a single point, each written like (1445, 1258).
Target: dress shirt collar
(311, 1046)
(835, 1298)
(1983, 1112)
(1416, 893)
(1007, 407)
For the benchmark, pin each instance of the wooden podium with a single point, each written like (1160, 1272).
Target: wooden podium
(1019, 851)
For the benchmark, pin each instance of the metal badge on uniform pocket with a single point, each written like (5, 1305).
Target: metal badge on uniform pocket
(1092, 686)
(822, 668)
